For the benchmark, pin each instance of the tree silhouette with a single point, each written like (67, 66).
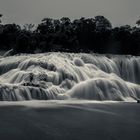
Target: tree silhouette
(138, 22)
(0, 17)
(80, 35)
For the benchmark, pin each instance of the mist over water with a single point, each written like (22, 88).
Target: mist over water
(63, 76)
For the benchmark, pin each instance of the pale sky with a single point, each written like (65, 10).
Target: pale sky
(119, 12)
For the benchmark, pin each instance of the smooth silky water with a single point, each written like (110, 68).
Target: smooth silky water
(66, 76)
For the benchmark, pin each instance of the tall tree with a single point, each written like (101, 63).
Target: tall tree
(0, 17)
(102, 23)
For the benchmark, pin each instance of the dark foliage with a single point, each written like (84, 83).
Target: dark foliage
(80, 35)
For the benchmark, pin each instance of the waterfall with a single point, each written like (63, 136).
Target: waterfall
(67, 75)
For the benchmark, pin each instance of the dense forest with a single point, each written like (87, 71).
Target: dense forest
(80, 35)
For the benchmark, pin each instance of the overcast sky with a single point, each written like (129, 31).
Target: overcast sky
(32, 11)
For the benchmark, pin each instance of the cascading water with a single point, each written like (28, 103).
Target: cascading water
(66, 75)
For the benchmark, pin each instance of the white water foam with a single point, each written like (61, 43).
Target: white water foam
(67, 75)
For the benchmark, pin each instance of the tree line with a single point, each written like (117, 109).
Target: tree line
(65, 35)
